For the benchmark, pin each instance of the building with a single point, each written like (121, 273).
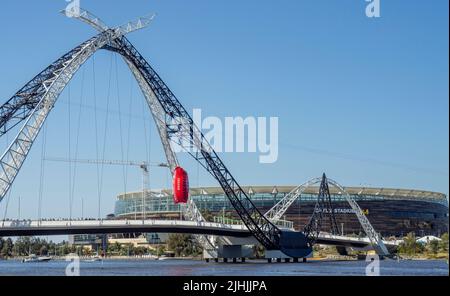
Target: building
(392, 212)
(95, 242)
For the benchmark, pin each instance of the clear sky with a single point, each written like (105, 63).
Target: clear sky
(365, 100)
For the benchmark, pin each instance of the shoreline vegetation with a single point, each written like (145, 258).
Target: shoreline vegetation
(184, 247)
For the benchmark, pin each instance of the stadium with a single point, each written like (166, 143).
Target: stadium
(392, 212)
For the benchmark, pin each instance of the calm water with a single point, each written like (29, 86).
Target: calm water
(199, 268)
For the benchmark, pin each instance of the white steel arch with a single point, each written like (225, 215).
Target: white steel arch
(281, 207)
(375, 237)
(277, 212)
(15, 155)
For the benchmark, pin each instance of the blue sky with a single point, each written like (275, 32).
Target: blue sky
(365, 100)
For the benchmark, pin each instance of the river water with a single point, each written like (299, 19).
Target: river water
(200, 268)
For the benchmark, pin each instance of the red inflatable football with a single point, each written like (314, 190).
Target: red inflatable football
(180, 186)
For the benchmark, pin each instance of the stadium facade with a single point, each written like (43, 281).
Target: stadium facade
(393, 212)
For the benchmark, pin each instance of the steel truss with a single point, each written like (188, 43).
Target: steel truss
(375, 237)
(34, 102)
(277, 212)
(323, 208)
(281, 207)
(22, 104)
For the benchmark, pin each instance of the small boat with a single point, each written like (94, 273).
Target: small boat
(36, 259)
(44, 259)
(95, 258)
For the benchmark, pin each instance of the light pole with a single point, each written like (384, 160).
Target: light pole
(82, 208)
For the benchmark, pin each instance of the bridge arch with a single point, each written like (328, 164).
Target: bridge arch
(34, 102)
(282, 206)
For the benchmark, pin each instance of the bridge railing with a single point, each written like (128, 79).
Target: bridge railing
(93, 223)
(229, 221)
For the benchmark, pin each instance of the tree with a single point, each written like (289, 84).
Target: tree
(207, 215)
(410, 246)
(434, 246)
(43, 251)
(1, 245)
(7, 249)
(183, 245)
(259, 251)
(22, 247)
(160, 250)
(140, 251)
(443, 245)
(115, 249)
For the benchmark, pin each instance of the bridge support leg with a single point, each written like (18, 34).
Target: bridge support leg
(269, 260)
(243, 260)
(234, 260)
(105, 245)
(216, 260)
(278, 260)
(305, 260)
(287, 260)
(207, 260)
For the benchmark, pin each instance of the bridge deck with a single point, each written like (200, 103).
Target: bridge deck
(49, 228)
(44, 228)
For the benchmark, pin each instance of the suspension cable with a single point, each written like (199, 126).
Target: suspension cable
(102, 165)
(77, 137)
(146, 153)
(42, 173)
(96, 133)
(120, 123)
(69, 149)
(129, 131)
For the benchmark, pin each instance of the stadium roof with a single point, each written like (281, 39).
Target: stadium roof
(361, 191)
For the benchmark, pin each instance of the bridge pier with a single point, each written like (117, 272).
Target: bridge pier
(279, 257)
(229, 253)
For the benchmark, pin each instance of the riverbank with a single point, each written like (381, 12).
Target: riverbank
(439, 256)
(201, 268)
(118, 258)
(319, 257)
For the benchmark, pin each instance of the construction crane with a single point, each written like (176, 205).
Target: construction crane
(143, 165)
